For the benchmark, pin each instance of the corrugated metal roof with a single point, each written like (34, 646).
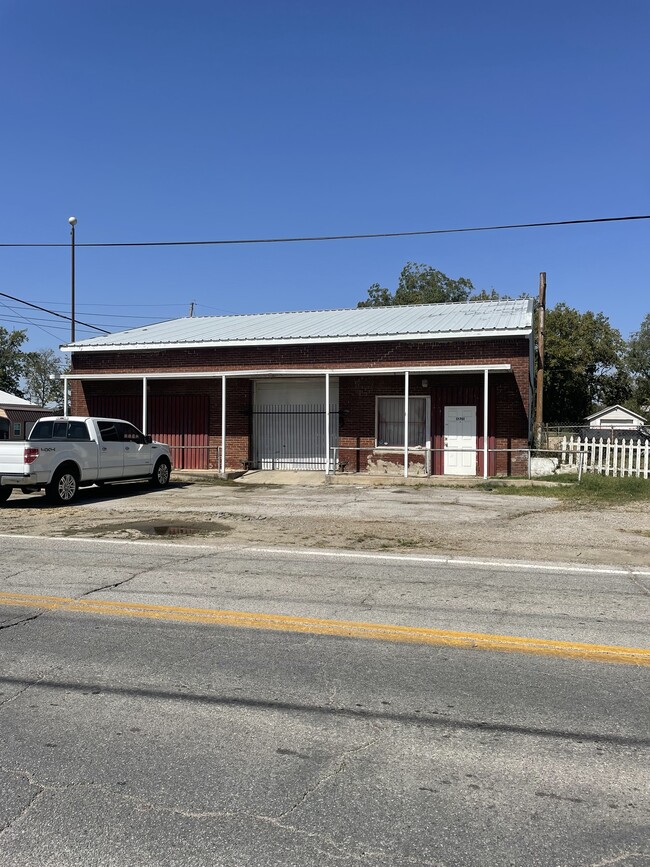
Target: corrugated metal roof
(8, 399)
(312, 326)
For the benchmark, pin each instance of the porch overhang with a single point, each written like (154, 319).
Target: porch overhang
(301, 372)
(327, 373)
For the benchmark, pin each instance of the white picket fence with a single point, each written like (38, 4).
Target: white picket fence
(606, 456)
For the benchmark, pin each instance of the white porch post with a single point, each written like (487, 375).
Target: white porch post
(223, 424)
(327, 424)
(406, 424)
(65, 395)
(144, 404)
(485, 423)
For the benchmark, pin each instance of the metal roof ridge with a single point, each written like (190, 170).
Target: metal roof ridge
(414, 306)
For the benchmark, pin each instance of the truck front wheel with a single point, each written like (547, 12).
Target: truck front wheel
(5, 492)
(63, 487)
(161, 473)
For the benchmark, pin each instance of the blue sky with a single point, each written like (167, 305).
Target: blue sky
(155, 120)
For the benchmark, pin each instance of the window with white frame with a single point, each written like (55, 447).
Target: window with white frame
(390, 422)
(18, 430)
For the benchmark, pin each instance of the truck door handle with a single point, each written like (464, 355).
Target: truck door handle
(126, 448)
(104, 449)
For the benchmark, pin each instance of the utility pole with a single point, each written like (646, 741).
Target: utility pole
(73, 223)
(539, 388)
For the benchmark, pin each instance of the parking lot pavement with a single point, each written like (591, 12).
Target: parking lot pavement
(435, 520)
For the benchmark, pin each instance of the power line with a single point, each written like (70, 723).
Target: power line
(53, 312)
(35, 320)
(346, 237)
(132, 316)
(112, 303)
(119, 316)
(24, 320)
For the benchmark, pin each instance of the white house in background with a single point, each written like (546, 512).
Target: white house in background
(18, 416)
(616, 417)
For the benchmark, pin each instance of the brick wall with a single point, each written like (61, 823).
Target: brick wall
(508, 400)
(328, 355)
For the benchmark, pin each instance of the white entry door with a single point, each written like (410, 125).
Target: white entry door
(460, 441)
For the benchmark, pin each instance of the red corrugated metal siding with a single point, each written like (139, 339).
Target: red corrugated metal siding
(126, 406)
(180, 420)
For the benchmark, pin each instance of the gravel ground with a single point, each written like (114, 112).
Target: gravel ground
(435, 520)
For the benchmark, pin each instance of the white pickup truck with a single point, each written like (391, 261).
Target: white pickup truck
(64, 453)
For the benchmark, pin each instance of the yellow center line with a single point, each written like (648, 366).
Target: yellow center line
(344, 628)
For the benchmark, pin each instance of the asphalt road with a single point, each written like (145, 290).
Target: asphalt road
(141, 728)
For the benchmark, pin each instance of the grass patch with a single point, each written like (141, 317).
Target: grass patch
(593, 489)
(207, 482)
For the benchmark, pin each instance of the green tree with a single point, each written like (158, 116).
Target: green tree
(584, 364)
(492, 295)
(378, 296)
(419, 284)
(638, 362)
(11, 360)
(38, 367)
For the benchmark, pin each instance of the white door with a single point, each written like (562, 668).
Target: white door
(460, 441)
(137, 453)
(111, 452)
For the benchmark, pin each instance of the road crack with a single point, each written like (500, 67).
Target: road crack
(116, 584)
(334, 849)
(19, 693)
(620, 859)
(22, 620)
(139, 574)
(30, 803)
(641, 586)
(343, 763)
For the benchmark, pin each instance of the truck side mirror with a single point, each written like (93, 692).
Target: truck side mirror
(148, 439)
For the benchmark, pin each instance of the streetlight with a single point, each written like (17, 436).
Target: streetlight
(73, 223)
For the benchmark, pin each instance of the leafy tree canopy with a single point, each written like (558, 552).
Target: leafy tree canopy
(587, 362)
(638, 362)
(11, 360)
(492, 295)
(419, 284)
(39, 366)
(584, 364)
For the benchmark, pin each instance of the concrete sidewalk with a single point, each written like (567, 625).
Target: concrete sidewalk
(315, 478)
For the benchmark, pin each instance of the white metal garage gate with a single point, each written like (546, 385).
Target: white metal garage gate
(289, 423)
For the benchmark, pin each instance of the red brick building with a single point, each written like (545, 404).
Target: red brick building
(426, 389)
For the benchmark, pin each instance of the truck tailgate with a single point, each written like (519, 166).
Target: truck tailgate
(12, 457)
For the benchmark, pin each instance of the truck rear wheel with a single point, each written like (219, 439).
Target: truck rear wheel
(5, 493)
(63, 487)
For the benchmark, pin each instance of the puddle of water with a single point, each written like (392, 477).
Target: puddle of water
(212, 528)
(169, 531)
(201, 528)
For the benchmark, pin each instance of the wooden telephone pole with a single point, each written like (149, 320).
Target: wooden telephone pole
(539, 385)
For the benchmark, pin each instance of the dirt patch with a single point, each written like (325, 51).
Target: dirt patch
(474, 523)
